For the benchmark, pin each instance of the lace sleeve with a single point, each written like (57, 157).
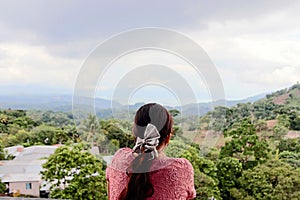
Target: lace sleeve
(190, 180)
(116, 172)
(176, 181)
(173, 178)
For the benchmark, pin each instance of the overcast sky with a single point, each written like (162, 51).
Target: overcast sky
(255, 45)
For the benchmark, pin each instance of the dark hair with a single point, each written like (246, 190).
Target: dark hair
(139, 186)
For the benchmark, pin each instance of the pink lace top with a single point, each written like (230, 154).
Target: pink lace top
(172, 178)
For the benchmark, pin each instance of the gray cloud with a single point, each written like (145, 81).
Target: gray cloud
(64, 32)
(62, 26)
(235, 10)
(61, 21)
(57, 21)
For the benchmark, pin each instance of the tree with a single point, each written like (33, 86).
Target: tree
(205, 171)
(205, 175)
(283, 120)
(121, 131)
(229, 170)
(261, 125)
(174, 112)
(65, 135)
(213, 155)
(290, 144)
(113, 146)
(292, 158)
(2, 187)
(91, 125)
(279, 131)
(206, 187)
(271, 180)
(295, 121)
(218, 118)
(2, 153)
(177, 132)
(245, 145)
(74, 173)
(72, 133)
(44, 134)
(24, 122)
(19, 138)
(4, 120)
(52, 118)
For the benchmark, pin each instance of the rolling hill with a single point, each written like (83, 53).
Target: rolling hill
(63, 103)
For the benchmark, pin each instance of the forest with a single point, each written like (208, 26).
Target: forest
(255, 156)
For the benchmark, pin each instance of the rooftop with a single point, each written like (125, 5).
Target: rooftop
(36, 152)
(27, 164)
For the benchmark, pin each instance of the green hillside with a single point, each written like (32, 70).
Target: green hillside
(289, 96)
(280, 104)
(244, 151)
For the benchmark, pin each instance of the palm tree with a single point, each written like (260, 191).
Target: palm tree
(91, 125)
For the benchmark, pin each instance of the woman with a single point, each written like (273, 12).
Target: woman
(144, 172)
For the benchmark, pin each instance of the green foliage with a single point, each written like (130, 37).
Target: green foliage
(206, 187)
(272, 180)
(2, 187)
(294, 121)
(216, 119)
(113, 145)
(205, 171)
(101, 133)
(283, 120)
(2, 153)
(291, 95)
(229, 170)
(13, 120)
(64, 135)
(118, 130)
(174, 112)
(51, 118)
(246, 146)
(292, 158)
(18, 138)
(291, 144)
(176, 148)
(177, 132)
(240, 170)
(261, 125)
(74, 173)
(222, 118)
(265, 109)
(19, 128)
(213, 155)
(90, 126)
(44, 134)
(279, 131)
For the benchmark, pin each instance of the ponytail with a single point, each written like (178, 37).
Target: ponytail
(139, 186)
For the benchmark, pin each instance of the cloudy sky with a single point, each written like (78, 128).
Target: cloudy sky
(255, 46)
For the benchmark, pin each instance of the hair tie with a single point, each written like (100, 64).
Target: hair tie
(149, 142)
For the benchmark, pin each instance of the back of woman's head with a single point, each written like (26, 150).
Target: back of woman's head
(155, 114)
(139, 186)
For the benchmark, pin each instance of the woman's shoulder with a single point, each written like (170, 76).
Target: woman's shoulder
(121, 159)
(172, 164)
(178, 173)
(123, 152)
(181, 163)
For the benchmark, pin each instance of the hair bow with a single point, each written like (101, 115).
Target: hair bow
(149, 142)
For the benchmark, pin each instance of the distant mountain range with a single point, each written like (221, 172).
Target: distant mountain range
(64, 103)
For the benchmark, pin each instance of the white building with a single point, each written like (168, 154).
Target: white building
(22, 174)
